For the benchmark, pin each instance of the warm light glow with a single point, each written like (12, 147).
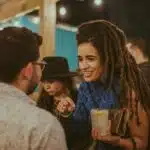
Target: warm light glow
(98, 2)
(17, 24)
(62, 11)
(36, 20)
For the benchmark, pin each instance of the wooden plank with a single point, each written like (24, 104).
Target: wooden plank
(48, 27)
(11, 8)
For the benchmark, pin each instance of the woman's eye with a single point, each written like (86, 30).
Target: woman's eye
(91, 58)
(80, 59)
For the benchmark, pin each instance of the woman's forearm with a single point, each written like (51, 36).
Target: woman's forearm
(128, 144)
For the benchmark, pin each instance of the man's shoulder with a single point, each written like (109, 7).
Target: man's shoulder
(27, 121)
(48, 128)
(37, 115)
(19, 118)
(22, 111)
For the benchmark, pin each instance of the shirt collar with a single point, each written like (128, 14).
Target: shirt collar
(12, 91)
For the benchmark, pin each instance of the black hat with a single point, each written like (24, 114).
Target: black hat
(56, 67)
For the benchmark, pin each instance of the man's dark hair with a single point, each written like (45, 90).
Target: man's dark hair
(18, 47)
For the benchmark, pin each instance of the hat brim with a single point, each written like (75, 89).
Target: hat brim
(70, 74)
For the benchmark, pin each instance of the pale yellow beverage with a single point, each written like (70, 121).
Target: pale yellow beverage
(99, 119)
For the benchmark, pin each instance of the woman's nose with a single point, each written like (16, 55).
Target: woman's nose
(83, 65)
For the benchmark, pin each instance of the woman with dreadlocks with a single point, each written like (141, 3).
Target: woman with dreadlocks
(112, 80)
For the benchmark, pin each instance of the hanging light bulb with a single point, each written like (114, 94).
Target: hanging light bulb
(98, 2)
(17, 24)
(62, 11)
(35, 20)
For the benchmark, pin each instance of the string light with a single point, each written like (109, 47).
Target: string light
(98, 2)
(35, 20)
(17, 24)
(62, 11)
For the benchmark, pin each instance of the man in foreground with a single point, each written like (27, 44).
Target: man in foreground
(22, 125)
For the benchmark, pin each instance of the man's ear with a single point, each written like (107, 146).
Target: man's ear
(27, 71)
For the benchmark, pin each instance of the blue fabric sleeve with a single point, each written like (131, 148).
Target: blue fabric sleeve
(81, 114)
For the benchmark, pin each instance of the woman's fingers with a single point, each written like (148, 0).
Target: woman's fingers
(66, 104)
(95, 134)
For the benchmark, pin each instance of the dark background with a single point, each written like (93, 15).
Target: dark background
(133, 16)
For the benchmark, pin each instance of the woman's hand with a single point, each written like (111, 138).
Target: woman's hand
(114, 140)
(66, 104)
(108, 138)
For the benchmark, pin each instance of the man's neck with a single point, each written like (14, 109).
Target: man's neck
(20, 85)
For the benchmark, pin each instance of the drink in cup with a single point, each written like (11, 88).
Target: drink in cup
(100, 121)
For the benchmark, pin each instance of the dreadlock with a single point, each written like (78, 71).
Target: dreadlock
(110, 41)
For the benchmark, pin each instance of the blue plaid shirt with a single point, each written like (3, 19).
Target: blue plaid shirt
(94, 95)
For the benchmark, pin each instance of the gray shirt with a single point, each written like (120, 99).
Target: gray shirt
(26, 127)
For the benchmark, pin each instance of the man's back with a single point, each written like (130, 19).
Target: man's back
(25, 127)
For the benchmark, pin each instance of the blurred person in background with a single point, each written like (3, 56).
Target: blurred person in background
(57, 82)
(139, 49)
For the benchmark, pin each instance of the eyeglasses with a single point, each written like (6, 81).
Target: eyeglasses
(41, 64)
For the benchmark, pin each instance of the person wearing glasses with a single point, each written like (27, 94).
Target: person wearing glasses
(57, 82)
(22, 125)
(35, 94)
